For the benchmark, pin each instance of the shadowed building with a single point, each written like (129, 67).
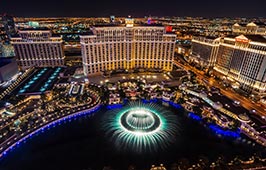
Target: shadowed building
(8, 69)
(204, 50)
(9, 25)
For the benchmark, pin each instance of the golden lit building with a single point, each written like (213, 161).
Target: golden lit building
(127, 47)
(38, 48)
(250, 28)
(241, 59)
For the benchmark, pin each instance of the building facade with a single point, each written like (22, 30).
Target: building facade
(204, 50)
(127, 47)
(250, 28)
(242, 59)
(38, 48)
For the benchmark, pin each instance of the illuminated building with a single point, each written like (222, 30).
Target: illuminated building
(38, 48)
(241, 59)
(204, 50)
(127, 47)
(250, 28)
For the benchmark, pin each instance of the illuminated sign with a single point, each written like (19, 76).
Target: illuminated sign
(129, 22)
(112, 18)
(242, 39)
(150, 21)
(168, 28)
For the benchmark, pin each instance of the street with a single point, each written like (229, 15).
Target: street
(246, 103)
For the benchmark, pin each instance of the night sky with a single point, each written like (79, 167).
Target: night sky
(136, 8)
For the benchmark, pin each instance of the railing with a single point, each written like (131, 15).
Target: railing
(10, 144)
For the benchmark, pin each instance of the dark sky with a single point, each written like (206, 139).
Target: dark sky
(136, 8)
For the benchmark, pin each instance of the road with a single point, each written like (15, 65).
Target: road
(246, 103)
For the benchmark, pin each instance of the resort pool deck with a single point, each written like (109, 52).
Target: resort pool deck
(41, 81)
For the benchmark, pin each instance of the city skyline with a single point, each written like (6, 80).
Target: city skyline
(130, 85)
(82, 8)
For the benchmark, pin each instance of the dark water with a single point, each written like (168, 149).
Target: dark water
(81, 144)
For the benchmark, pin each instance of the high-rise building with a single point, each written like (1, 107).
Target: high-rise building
(204, 50)
(242, 59)
(127, 47)
(38, 48)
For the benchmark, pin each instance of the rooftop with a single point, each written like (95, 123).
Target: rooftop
(207, 37)
(6, 60)
(260, 24)
(124, 25)
(86, 33)
(35, 29)
(256, 38)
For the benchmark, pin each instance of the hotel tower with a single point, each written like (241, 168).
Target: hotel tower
(38, 48)
(241, 59)
(128, 47)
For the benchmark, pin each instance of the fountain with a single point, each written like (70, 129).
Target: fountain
(140, 127)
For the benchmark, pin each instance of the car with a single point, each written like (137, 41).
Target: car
(253, 111)
(236, 102)
(226, 105)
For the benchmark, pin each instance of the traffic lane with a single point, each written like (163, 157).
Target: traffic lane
(233, 95)
(244, 102)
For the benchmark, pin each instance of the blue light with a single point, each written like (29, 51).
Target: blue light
(22, 91)
(114, 106)
(194, 116)
(41, 129)
(145, 101)
(149, 101)
(50, 80)
(175, 105)
(223, 132)
(32, 80)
